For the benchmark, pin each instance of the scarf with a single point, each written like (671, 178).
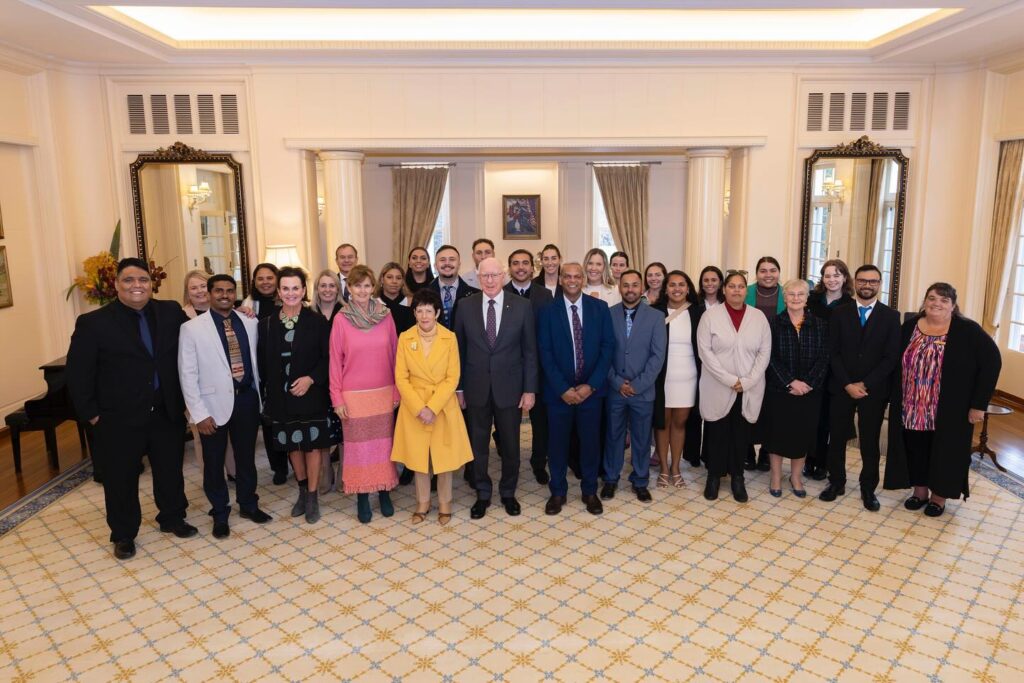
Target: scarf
(265, 305)
(364, 320)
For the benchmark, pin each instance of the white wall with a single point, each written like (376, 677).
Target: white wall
(519, 178)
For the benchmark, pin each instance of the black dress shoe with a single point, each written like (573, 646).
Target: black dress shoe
(739, 491)
(763, 464)
(542, 476)
(934, 509)
(280, 478)
(608, 491)
(511, 506)
(554, 505)
(257, 515)
(405, 478)
(593, 504)
(915, 503)
(124, 550)
(819, 474)
(711, 487)
(181, 530)
(750, 464)
(870, 502)
(642, 494)
(479, 508)
(831, 492)
(221, 530)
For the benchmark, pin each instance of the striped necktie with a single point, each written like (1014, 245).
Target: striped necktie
(234, 352)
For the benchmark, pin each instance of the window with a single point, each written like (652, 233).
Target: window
(884, 250)
(602, 230)
(443, 226)
(821, 221)
(1016, 340)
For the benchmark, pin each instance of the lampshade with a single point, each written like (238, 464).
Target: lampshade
(282, 255)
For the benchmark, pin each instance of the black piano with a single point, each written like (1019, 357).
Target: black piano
(45, 413)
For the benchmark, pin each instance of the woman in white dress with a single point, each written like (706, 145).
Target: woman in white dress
(600, 284)
(678, 380)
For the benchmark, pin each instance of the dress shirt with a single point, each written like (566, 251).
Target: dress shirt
(870, 309)
(238, 327)
(499, 300)
(522, 290)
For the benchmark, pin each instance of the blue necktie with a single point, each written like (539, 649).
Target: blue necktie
(147, 341)
(447, 302)
(629, 321)
(863, 310)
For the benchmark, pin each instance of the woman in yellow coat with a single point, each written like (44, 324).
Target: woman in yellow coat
(430, 434)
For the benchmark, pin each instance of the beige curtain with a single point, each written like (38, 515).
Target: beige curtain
(872, 230)
(416, 201)
(1005, 215)
(624, 193)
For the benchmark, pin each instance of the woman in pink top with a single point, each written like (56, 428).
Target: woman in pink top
(363, 392)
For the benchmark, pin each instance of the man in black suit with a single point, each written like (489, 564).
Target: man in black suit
(520, 269)
(449, 284)
(865, 341)
(123, 378)
(498, 351)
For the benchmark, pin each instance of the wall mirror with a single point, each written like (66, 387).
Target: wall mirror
(190, 214)
(855, 199)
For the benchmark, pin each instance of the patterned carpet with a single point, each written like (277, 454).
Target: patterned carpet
(679, 589)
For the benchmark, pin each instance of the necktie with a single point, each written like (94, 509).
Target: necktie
(629, 321)
(522, 292)
(447, 302)
(577, 341)
(863, 310)
(234, 352)
(147, 341)
(344, 291)
(492, 325)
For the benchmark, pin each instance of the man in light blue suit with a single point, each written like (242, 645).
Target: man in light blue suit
(640, 343)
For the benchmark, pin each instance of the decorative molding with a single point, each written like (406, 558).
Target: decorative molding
(861, 147)
(22, 140)
(179, 151)
(504, 145)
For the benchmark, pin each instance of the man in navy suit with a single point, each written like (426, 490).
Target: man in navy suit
(448, 284)
(576, 344)
(640, 344)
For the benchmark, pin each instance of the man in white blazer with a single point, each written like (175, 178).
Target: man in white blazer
(219, 380)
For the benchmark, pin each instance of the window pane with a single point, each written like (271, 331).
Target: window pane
(1016, 338)
(1018, 309)
(601, 230)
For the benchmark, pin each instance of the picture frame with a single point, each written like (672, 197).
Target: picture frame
(6, 296)
(1, 223)
(520, 216)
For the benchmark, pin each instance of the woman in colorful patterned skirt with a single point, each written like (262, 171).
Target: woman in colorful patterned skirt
(363, 345)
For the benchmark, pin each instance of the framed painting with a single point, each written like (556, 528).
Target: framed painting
(520, 216)
(6, 298)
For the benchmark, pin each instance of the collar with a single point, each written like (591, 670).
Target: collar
(499, 298)
(867, 306)
(454, 283)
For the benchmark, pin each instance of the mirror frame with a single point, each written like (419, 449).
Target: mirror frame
(859, 148)
(180, 153)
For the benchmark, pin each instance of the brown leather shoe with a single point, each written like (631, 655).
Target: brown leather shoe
(554, 505)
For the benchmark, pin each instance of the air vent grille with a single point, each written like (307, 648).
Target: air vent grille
(136, 115)
(901, 111)
(207, 120)
(836, 110)
(858, 110)
(229, 113)
(183, 114)
(815, 104)
(158, 108)
(879, 110)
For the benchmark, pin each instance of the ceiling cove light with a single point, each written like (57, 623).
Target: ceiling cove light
(204, 26)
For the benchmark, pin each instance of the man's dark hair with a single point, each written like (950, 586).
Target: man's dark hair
(865, 268)
(446, 247)
(342, 246)
(520, 251)
(483, 240)
(131, 262)
(426, 297)
(220, 277)
(632, 272)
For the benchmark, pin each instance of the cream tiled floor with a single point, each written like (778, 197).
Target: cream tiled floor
(679, 589)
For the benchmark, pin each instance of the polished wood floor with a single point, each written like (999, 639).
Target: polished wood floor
(1006, 437)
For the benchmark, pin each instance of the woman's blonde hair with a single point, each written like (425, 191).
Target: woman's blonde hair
(316, 287)
(201, 274)
(606, 277)
(385, 269)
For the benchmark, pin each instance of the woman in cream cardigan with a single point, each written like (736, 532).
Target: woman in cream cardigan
(430, 435)
(735, 346)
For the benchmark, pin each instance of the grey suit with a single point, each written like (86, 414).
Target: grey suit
(638, 359)
(493, 382)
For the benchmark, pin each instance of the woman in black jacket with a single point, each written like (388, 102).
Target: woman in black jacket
(948, 372)
(293, 356)
(677, 423)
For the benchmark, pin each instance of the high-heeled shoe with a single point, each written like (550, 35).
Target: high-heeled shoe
(418, 516)
(443, 518)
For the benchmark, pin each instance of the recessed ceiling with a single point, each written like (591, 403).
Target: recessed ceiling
(194, 27)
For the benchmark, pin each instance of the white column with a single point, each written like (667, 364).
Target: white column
(343, 202)
(705, 208)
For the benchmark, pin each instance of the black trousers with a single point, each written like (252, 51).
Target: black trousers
(727, 441)
(278, 459)
(479, 420)
(539, 447)
(120, 448)
(818, 456)
(918, 446)
(870, 411)
(241, 429)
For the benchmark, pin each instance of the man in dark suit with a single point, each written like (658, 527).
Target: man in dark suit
(123, 378)
(498, 352)
(347, 258)
(640, 346)
(865, 348)
(449, 284)
(576, 344)
(520, 269)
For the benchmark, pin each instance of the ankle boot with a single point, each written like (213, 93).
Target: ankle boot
(739, 491)
(363, 511)
(300, 504)
(312, 507)
(386, 507)
(711, 487)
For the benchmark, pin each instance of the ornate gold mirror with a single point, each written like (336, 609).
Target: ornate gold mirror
(855, 199)
(190, 214)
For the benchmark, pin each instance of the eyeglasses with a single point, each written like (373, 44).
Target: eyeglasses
(489, 276)
(862, 281)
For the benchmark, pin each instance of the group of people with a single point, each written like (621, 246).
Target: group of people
(421, 366)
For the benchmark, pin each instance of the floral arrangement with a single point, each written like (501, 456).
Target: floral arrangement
(98, 283)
